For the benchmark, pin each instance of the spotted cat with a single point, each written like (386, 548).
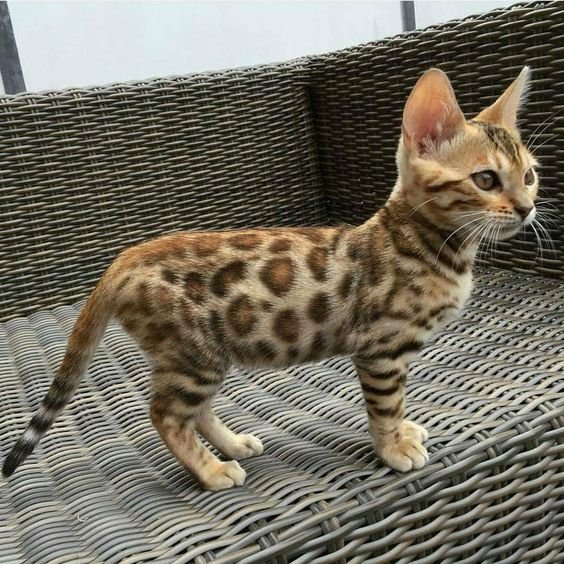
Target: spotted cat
(197, 303)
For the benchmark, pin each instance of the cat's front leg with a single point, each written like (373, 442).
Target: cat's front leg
(397, 441)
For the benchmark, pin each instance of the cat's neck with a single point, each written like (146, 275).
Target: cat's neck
(446, 246)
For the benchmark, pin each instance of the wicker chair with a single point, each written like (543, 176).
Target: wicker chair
(86, 172)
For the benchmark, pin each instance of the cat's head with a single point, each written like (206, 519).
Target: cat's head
(473, 175)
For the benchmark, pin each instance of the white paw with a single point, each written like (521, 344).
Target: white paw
(245, 447)
(403, 453)
(411, 429)
(224, 475)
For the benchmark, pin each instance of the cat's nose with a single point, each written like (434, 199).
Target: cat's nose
(523, 211)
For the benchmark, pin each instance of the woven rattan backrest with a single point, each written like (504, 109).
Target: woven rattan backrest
(87, 172)
(359, 93)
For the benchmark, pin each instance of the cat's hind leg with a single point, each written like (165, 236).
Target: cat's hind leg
(230, 444)
(178, 400)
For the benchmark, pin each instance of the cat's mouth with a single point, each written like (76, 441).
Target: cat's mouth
(507, 231)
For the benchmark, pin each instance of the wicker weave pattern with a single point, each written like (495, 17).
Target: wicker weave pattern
(359, 96)
(86, 173)
(241, 149)
(103, 486)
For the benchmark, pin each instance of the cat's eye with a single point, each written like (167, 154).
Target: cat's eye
(486, 180)
(529, 177)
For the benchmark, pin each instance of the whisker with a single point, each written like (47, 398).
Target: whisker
(545, 232)
(539, 246)
(547, 206)
(550, 214)
(543, 143)
(462, 214)
(494, 239)
(480, 233)
(549, 116)
(530, 145)
(452, 234)
(550, 219)
(484, 236)
(489, 239)
(473, 231)
(495, 242)
(421, 205)
(534, 135)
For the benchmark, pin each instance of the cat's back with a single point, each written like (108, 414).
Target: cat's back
(279, 257)
(276, 295)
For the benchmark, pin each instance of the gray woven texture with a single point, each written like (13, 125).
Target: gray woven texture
(358, 97)
(87, 172)
(104, 487)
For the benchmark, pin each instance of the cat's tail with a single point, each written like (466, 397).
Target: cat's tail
(84, 340)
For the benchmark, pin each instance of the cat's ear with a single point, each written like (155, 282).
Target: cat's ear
(431, 114)
(504, 110)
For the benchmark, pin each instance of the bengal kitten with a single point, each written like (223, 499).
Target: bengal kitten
(198, 303)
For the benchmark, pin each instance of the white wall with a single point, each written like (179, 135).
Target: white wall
(78, 43)
(431, 12)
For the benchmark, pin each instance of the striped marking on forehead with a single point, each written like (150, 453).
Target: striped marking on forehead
(501, 139)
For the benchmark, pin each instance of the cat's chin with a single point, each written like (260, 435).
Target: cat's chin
(507, 233)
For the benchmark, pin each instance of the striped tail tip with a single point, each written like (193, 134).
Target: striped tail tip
(15, 457)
